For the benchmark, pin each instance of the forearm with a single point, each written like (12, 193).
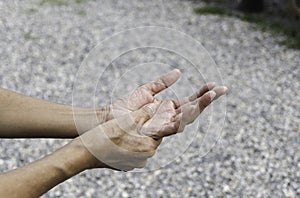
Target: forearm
(23, 117)
(37, 178)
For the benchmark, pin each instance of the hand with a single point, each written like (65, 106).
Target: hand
(118, 143)
(145, 94)
(172, 116)
(128, 141)
(142, 95)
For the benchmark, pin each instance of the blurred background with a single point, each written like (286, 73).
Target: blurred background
(255, 45)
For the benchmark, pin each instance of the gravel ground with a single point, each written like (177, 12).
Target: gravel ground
(258, 155)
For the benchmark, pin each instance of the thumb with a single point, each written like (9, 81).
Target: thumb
(163, 82)
(144, 113)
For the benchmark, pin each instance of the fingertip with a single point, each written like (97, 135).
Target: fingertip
(222, 90)
(211, 85)
(176, 71)
(225, 89)
(175, 75)
(166, 80)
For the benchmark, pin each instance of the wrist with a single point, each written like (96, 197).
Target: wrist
(104, 113)
(76, 158)
(88, 118)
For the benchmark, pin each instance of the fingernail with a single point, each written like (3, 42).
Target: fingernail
(212, 95)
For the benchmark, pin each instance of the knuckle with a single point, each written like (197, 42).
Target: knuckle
(160, 83)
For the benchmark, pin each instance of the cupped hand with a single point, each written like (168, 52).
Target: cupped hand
(119, 144)
(176, 113)
(127, 141)
(172, 116)
(142, 95)
(145, 94)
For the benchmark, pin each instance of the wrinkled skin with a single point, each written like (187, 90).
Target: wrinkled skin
(173, 115)
(138, 122)
(118, 143)
(143, 94)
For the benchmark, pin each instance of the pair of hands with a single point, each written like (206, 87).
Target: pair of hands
(138, 122)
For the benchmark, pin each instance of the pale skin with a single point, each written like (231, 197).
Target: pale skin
(123, 137)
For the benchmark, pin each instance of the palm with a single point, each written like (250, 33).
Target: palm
(132, 102)
(143, 94)
(171, 116)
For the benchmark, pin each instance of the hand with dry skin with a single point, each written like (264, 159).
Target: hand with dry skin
(176, 113)
(145, 94)
(24, 117)
(128, 141)
(173, 115)
(142, 95)
(134, 130)
(119, 144)
(116, 144)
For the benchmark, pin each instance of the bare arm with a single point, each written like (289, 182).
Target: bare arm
(122, 143)
(26, 117)
(110, 143)
(40, 176)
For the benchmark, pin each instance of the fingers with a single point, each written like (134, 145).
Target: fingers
(199, 93)
(208, 97)
(144, 114)
(134, 120)
(163, 82)
(192, 109)
(172, 128)
(203, 90)
(220, 90)
(205, 100)
(203, 96)
(183, 115)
